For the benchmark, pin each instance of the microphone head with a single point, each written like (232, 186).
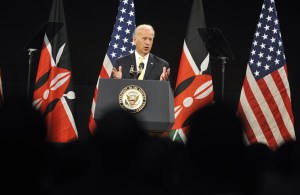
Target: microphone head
(141, 66)
(131, 70)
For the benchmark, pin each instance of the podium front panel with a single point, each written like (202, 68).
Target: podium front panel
(158, 112)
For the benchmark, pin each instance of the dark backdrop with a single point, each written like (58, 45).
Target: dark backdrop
(90, 24)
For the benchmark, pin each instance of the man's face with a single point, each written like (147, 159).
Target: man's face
(143, 41)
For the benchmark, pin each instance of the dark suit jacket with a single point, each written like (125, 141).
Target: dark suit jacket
(154, 66)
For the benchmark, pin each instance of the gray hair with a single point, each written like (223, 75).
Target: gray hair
(143, 26)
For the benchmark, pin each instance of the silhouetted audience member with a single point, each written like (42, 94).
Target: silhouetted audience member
(215, 148)
(69, 166)
(160, 166)
(118, 134)
(284, 177)
(127, 160)
(114, 148)
(288, 158)
(22, 140)
(259, 158)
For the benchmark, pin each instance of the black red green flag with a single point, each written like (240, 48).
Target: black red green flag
(54, 94)
(194, 87)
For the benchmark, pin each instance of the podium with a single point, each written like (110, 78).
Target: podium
(155, 108)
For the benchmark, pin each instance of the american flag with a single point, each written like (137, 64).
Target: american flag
(121, 44)
(194, 86)
(265, 101)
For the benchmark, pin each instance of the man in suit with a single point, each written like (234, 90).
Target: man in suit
(142, 64)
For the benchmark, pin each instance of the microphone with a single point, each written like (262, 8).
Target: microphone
(141, 67)
(136, 73)
(133, 72)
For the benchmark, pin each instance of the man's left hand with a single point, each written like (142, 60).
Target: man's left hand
(165, 74)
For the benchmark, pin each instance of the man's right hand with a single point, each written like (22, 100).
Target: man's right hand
(117, 74)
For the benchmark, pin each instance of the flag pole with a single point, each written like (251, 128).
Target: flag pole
(30, 54)
(223, 75)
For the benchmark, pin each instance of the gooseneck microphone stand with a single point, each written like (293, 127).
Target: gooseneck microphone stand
(134, 73)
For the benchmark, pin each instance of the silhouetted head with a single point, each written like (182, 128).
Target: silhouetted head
(215, 127)
(22, 141)
(20, 122)
(215, 148)
(119, 126)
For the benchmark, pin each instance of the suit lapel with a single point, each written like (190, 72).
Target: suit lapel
(150, 65)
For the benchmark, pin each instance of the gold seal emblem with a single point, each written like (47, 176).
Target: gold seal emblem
(132, 98)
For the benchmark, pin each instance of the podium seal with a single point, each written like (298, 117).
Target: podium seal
(132, 98)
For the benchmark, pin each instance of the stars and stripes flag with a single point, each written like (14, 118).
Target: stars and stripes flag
(194, 87)
(53, 95)
(265, 100)
(121, 44)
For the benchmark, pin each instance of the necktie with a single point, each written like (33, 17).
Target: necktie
(141, 67)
